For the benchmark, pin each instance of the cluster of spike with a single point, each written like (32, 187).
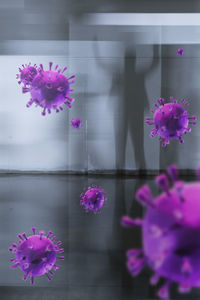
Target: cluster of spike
(93, 198)
(76, 123)
(170, 120)
(36, 255)
(27, 74)
(170, 231)
(49, 89)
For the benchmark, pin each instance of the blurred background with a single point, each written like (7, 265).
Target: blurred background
(123, 54)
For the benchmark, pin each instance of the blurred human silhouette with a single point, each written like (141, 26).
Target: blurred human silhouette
(135, 103)
(129, 92)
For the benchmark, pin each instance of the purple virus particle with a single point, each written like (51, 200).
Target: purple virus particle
(27, 74)
(36, 255)
(170, 120)
(180, 52)
(50, 89)
(76, 123)
(170, 231)
(93, 198)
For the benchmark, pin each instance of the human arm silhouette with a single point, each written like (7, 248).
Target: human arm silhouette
(155, 60)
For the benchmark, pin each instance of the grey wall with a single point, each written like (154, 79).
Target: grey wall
(120, 71)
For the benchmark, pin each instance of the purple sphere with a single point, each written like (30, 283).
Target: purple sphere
(170, 231)
(93, 199)
(180, 52)
(76, 123)
(50, 89)
(170, 120)
(36, 255)
(26, 74)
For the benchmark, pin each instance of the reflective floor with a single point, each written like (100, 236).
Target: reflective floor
(94, 266)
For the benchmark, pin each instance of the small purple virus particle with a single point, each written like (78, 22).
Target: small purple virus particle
(27, 74)
(36, 255)
(93, 198)
(170, 231)
(170, 120)
(180, 52)
(76, 123)
(49, 89)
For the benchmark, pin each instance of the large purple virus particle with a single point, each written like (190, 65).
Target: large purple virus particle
(93, 198)
(170, 231)
(76, 123)
(27, 74)
(36, 255)
(180, 52)
(49, 89)
(170, 120)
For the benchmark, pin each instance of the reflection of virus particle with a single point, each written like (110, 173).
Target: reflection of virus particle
(36, 255)
(50, 89)
(180, 52)
(170, 120)
(93, 198)
(171, 230)
(27, 74)
(76, 123)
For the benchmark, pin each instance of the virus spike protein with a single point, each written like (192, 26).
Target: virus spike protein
(170, 229)
(49, 89)
(170, 120)
(36, 255)
(93, 199)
